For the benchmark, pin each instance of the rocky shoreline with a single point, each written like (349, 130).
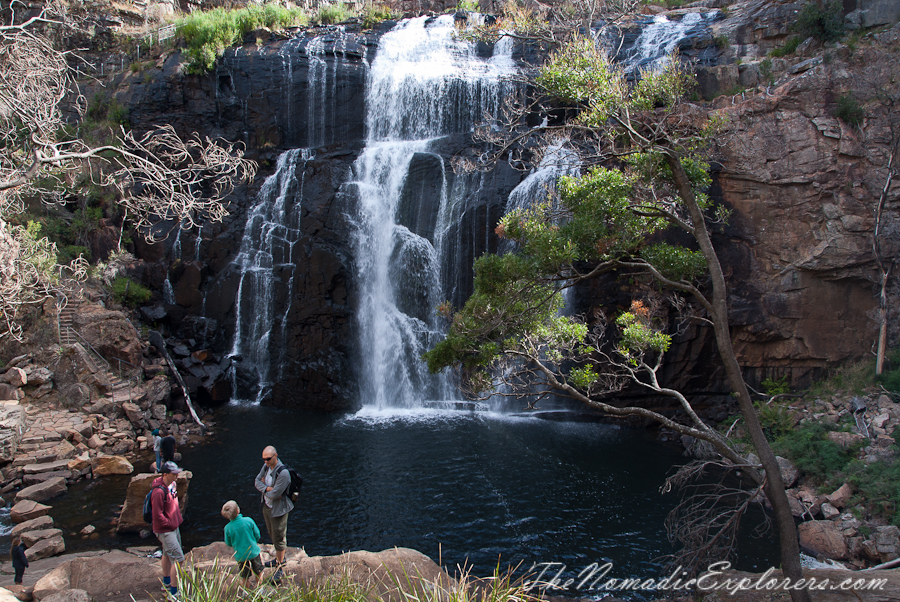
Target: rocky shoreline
(65, 415)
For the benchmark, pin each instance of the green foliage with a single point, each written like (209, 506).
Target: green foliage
(825, 23)
(469, 6)
(776, 387)
(103, 110)
(581, 73)
(126, 291)
(849, 110)
(374, 14)
(638, 335)
(330, 14)
(879, 484)
(502, 307)
(890, 378)
(207, 34)
(775, 418)
(789, 47)
(765, 69)
(36, 250)
(675, 263)
(809, 448)
(603, 218)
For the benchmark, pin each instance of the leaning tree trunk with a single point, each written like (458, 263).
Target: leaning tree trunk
(787, 529)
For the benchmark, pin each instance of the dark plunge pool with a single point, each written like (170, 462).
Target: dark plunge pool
(473, 488)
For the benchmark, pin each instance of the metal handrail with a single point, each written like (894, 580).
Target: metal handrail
(90, 348)
(132, 381)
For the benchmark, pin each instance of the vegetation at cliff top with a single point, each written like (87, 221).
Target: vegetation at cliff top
(208, 34)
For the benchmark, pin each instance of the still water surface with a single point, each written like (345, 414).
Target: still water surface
(461, 487)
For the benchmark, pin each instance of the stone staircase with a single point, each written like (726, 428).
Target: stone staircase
(65, 319)
(120, 390)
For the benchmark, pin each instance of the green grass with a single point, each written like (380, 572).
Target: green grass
(208, 34)
(374, 14)
(849, 110)
(790, 46)
(126, 291)
(215, 584)
(329, 14)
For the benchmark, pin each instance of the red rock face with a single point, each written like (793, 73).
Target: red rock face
(803, 186)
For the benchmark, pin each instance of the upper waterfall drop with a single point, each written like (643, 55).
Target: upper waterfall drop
(660, 36)
(424, 84)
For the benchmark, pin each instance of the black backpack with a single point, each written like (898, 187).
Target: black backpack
(148, 503)
(293, 490)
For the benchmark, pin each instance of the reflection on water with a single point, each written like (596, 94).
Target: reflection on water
(461, 487)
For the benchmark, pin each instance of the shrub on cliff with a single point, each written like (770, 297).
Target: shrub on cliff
(208, 34)
(825, 23)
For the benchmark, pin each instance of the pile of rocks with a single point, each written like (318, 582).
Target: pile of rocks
(44, 447)
(838, 526)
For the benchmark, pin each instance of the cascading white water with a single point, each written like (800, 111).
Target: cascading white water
(265, 260)
(424, 83)
(660, 37)
(558, 160)
(323, 77)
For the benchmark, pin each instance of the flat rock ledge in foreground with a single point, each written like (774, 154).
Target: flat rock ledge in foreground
(120, 576)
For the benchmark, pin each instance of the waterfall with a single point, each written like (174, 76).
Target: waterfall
(266, 262)
(321, 114)
(558, 160)
(424, 84)
(659, 37)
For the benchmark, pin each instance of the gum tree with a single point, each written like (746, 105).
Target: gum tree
(156, 175)
(644, 149)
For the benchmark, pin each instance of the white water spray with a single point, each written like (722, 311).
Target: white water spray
(424, 83)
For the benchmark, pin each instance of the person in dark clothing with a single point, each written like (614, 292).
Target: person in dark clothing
(19, 560)
(166, 446)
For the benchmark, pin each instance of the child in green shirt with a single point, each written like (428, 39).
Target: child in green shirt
(241, 533)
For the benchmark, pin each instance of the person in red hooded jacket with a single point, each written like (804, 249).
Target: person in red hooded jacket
(166, 521)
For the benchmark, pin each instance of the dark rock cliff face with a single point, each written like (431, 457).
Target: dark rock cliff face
(797, 251)
(309, 92)
(302, 92)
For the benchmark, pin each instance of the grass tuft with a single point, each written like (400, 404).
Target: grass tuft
(208, 34)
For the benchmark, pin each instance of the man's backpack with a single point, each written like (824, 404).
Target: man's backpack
(148, 503)
(293, 490)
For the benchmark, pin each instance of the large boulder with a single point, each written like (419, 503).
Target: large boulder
(134, 415)
(45, 548)
(35, 524)
(69, 595)
(110, 333)
(378, 570)
(10, 393)
(822, 537)
(131, 520)
(12, 425)
(112, 577)
(102, 466)
(29, 538)
(15, 377)
(41, 492)
(27, 510)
